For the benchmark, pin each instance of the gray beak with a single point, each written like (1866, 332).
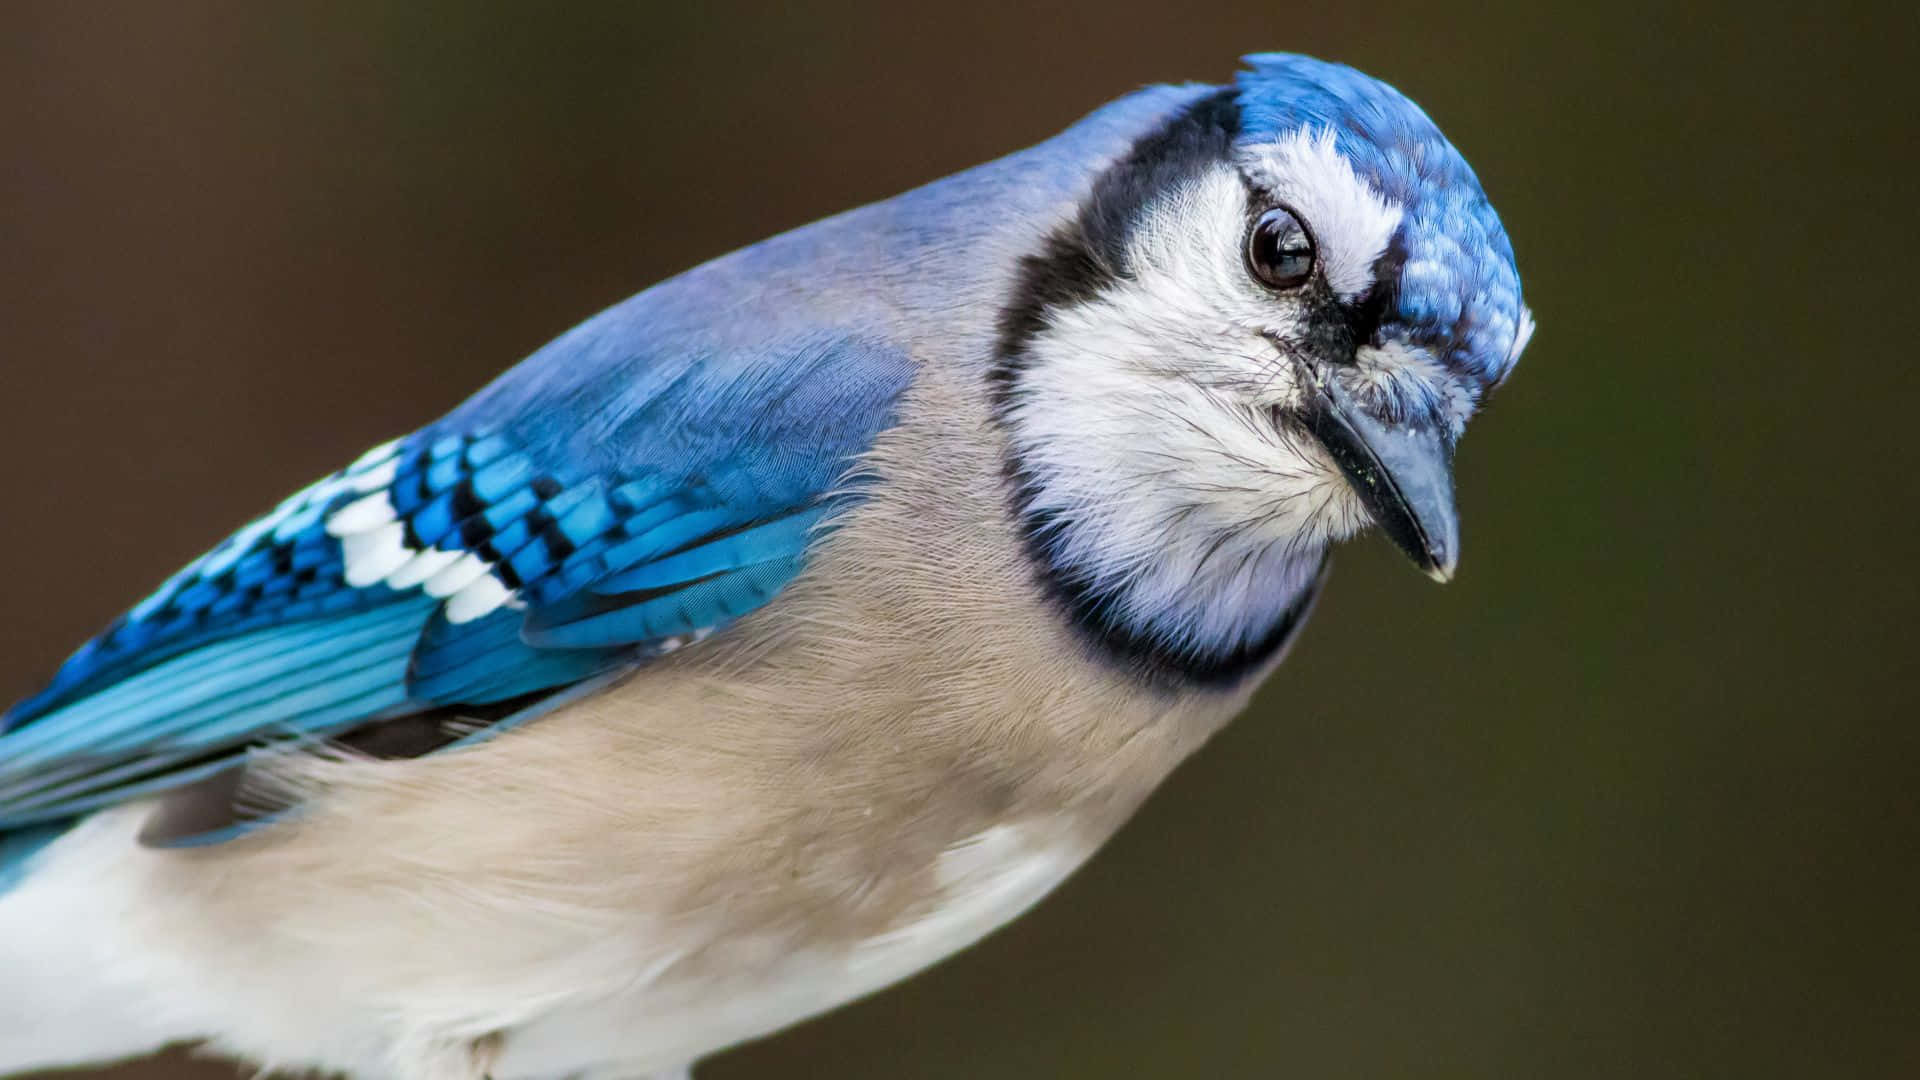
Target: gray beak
(1403, 474)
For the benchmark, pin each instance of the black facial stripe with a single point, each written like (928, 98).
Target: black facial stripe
(1067, 272)
(1098, 615)
(1075, 264)
(1087, 256)
(1196, 140)
(1372, 310)
(1332, 330)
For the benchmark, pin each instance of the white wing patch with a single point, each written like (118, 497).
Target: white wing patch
(373, 554)
(373, 541)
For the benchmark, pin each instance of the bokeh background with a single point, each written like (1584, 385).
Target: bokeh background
(1638, 795)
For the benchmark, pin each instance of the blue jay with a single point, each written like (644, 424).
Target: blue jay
(774, 633)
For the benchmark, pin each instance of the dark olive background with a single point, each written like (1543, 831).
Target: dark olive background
(1635, 796)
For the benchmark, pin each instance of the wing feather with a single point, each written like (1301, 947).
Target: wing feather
(486, 559)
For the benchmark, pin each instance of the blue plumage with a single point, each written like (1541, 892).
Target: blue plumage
(648, 476)
(1454, 285)
(642, 480)
(558, 556)
(1159, 365)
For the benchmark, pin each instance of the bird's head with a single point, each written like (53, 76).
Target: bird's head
(1265, 328)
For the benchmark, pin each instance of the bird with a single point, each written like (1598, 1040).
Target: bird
(776, 632)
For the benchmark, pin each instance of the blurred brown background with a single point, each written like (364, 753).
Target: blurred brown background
(1639, 795)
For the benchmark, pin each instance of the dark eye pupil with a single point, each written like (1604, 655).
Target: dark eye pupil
(1279, 250)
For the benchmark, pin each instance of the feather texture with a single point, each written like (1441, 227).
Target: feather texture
(480, 560)
(917, 739)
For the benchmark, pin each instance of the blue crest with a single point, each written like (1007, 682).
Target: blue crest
(1452, 286)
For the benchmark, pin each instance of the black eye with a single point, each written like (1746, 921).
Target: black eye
(1280, 250)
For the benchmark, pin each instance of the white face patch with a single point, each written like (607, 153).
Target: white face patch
(1144, 418)
(1350, 221)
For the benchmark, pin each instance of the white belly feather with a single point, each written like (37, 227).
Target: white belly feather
(988, 881)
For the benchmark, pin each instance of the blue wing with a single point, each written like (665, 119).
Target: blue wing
(596, 506)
